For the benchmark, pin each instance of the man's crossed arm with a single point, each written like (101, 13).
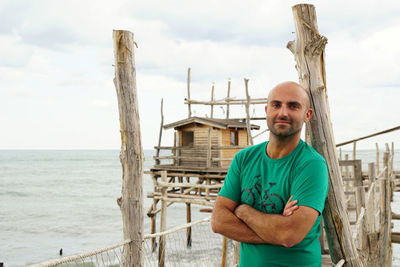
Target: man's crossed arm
(245, 224)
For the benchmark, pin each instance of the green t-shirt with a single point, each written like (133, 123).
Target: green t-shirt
(266, 184)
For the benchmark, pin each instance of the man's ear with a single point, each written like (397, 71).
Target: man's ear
(308, 115)
(266, 107)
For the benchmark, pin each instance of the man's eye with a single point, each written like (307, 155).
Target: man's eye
(294, 106)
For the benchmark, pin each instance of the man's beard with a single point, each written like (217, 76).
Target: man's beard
(289, 132)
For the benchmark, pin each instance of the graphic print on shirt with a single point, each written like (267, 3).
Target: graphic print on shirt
(260, 198)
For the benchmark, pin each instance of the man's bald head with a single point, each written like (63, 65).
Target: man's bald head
(303, 93)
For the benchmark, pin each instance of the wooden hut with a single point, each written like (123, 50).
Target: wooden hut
(207, 142)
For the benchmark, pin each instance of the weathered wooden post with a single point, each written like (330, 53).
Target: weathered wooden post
(189, 229)
(188, 94)
(227, 99)
(249, 137)
(358, 187)
(160, 133)
(386, 248)
(163, 220)
(236, 252)
(223, 258)
(377, 159)
(209, 152)
(308, 49)
(131, 201)
(212, 101)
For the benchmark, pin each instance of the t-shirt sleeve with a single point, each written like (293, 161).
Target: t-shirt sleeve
(231, 188)
(310, 185)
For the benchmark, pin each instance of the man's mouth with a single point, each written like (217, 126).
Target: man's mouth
(282, 122)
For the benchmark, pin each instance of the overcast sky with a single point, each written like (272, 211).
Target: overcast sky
(56, 57)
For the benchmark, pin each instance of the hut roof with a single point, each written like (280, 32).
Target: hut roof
(217, 123)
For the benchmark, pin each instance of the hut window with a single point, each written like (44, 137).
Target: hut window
(234, 138)
(187, 138)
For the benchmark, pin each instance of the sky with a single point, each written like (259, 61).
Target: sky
(56, 65)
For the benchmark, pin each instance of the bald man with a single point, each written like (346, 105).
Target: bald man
(274, 193)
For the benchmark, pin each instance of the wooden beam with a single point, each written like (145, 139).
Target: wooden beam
(131, 156)
(396, 237)
(308, 49)
(369, 136)
(232, 101)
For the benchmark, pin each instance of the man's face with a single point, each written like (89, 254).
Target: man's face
(287, 110)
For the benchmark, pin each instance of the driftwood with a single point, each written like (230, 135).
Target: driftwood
(131, 201)
(308, 49)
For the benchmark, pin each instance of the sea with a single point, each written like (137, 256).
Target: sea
(53, 199)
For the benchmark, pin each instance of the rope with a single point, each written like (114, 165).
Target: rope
(177, 228)
(79, 256)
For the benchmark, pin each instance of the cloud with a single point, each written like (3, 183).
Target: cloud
(217, 21)
(59, 54)
(13, 52)
(101, 103)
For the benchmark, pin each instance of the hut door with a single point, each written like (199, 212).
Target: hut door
(187, 138)
(234, 138)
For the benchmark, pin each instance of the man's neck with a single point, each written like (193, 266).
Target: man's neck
(278, 148)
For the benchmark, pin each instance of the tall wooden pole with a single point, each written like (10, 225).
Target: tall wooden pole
(308, 49)
(249, 137)
(188, 94)
(160, 133)
(227, 99)
(377, 159)
(163, 221)
(212, 100)
(131, 201)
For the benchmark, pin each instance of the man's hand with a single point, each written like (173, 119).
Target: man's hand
(290, 207)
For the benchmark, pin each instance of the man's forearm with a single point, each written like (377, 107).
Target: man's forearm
(274, 229)
(226, 223)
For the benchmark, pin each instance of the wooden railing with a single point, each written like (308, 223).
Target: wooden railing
(208, 159)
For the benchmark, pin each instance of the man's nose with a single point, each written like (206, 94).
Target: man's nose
(283, 112)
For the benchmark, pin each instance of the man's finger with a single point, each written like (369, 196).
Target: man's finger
(290, 204)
